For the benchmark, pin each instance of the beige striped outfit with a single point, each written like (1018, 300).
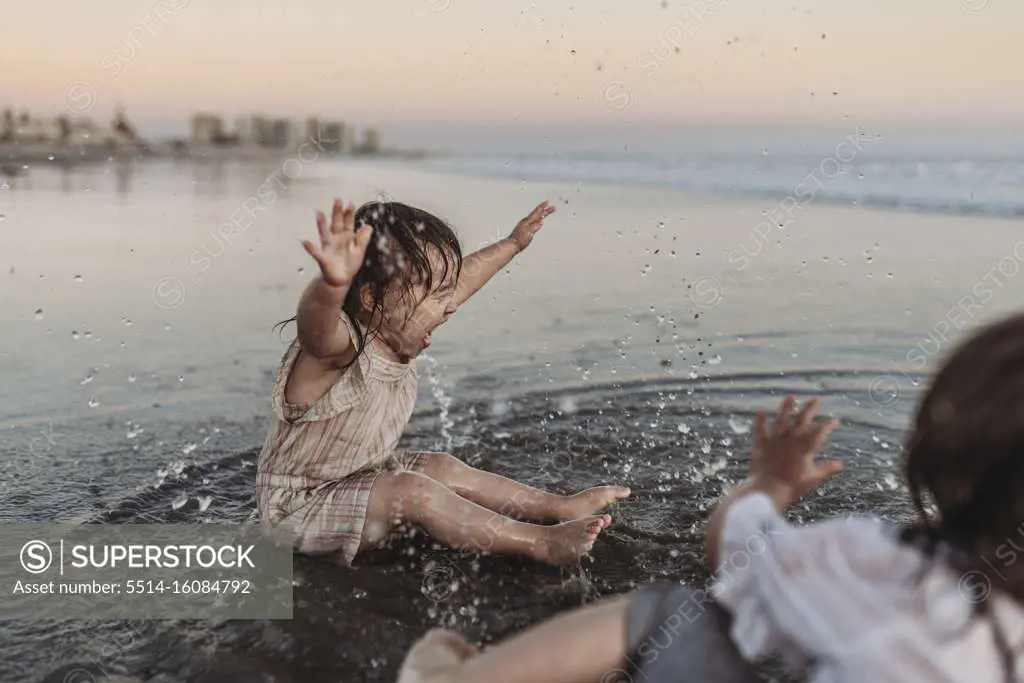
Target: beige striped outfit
(320, 459)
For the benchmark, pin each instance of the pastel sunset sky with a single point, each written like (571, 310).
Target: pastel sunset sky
(413, 64)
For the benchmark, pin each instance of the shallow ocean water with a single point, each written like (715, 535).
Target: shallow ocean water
(625, 346)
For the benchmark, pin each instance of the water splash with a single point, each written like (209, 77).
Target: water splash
(444, 401)
(739, 426)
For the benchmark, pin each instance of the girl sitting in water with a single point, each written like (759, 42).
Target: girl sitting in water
(940, 599)
(329, 472)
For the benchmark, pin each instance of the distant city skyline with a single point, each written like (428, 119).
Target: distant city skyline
(438, 64)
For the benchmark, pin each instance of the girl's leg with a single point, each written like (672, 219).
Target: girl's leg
(584, 646)
(415, 497)
(511, 498)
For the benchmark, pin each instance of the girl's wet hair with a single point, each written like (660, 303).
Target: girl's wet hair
(398, 258)
(964, 466)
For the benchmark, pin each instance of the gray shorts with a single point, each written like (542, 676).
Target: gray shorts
(677, 635)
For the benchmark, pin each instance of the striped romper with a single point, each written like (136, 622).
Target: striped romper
(320, 459)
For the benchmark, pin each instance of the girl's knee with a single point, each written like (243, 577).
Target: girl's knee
(440, 466)
(411, 488)
(393, 498)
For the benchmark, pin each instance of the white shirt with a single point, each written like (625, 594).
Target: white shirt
(843, 597)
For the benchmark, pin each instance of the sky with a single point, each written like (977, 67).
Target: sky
(468, 65)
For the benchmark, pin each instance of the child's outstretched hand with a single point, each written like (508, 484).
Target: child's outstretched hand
(783, 460)
(525, 229)
(342, 248)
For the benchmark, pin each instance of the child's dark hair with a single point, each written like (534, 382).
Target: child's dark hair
(964, 466)
(397, 258)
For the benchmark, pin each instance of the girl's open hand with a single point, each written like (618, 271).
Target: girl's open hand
(783, 460)
(342, 248)
(525, 229)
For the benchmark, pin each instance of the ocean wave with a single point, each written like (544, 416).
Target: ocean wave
(982, 186)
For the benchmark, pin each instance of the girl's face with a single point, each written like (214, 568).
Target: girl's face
(410, 317)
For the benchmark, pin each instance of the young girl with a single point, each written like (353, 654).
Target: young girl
(329, 472)
(855, 599)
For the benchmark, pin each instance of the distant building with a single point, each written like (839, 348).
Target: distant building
(248, 128)
(280, 133)
(125, 131)
(38, 131)
(84, 133)
(370, 143)
(7, 125)
(335, 137)
(261, 131)
(312, 129)
(329, 135)
(207, 129)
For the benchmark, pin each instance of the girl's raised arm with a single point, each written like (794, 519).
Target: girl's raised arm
(339, 255)
(482, 265)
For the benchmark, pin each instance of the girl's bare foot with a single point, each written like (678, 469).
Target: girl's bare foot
(566, 542)
(590, 501)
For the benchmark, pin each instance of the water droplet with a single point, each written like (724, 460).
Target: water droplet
(764, 152)
(301, 270)
(93, 403)
(714, 360)
(181, 378)
(188, 449)
(74, 335)
(87, 379)
(567, 404)
(647, 269)
(739, 425)
(132, 378)
(78, 278)
(51, 157)
(39, 314)
(683, 428)
(167, 326)
(127, 322)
